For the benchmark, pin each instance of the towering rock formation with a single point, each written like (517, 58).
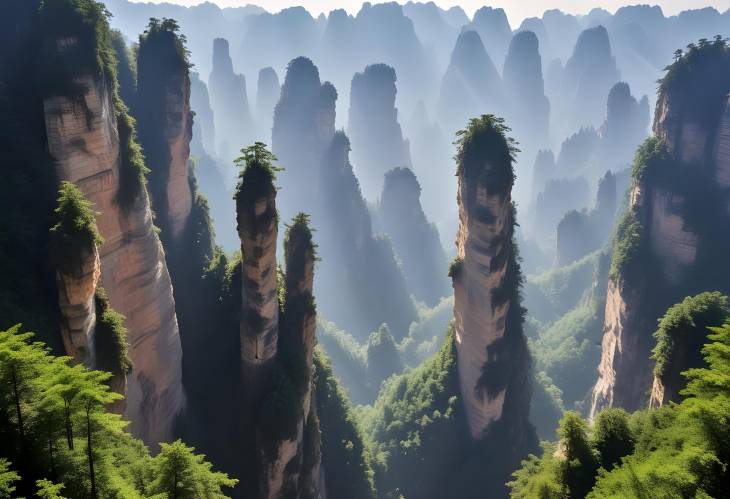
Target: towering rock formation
(668, 244)
(277, 347)
(373, 126)
(165, 124)
(360, 285)
(228, 97)
(304, 122)
(589, 75)
(494, 30)
(470, 85)
(415, 240)
(529, 108)
(492, 356)
(91, 138)
(268, 91)
(204, 124)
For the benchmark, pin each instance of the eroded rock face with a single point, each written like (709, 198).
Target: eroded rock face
(492, 356)
(624, 370)
(76, 300)
(84, 140)
(179, 133)
(478, 322)
(257, 229)
(682, 251)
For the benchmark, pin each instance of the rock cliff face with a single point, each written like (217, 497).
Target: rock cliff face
(76, 291)
(165, 124)
(492, 357)
(84, 138)
(377, 139)
(415, 239)
(663, 251)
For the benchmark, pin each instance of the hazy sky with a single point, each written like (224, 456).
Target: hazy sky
(516, 9)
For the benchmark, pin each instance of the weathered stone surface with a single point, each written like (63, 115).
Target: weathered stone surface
(78, 312)
(83, 138)
(260, 308)
(179, 133)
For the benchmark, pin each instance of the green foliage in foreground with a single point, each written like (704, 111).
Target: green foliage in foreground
(684, 327)
(344, 454)
(61, 439)
(679, 450)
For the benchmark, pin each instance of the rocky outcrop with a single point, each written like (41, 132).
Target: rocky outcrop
(377, 139)
(92, 150)
(304, 122)
(76, 291)
(415, 239)
(492, 357)
(625, 127)
(229, 100)
(662, 252)
(268, 91)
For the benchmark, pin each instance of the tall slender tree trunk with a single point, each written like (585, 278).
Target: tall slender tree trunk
(92, 477)
(19, 412)
(69, 427)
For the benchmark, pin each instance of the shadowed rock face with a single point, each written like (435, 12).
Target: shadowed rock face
(543, 171)
(304, 122)
(492, 356)
(84, 139)
(76, 291)
(677, 186)
(267, 94)
(377, 139)
(373, 289)
(228, 98)
(415, 240)
(165, 124)
(471, 84)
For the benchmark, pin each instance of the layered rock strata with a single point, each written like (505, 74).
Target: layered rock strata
(492, 358)
(84, 139)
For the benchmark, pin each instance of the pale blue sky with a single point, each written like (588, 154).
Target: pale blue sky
(516, 9)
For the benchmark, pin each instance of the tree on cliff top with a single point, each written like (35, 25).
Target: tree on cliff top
(75, 234)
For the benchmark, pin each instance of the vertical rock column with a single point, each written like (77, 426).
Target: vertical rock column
(257, 229)
(84, 139)
(492, 358)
